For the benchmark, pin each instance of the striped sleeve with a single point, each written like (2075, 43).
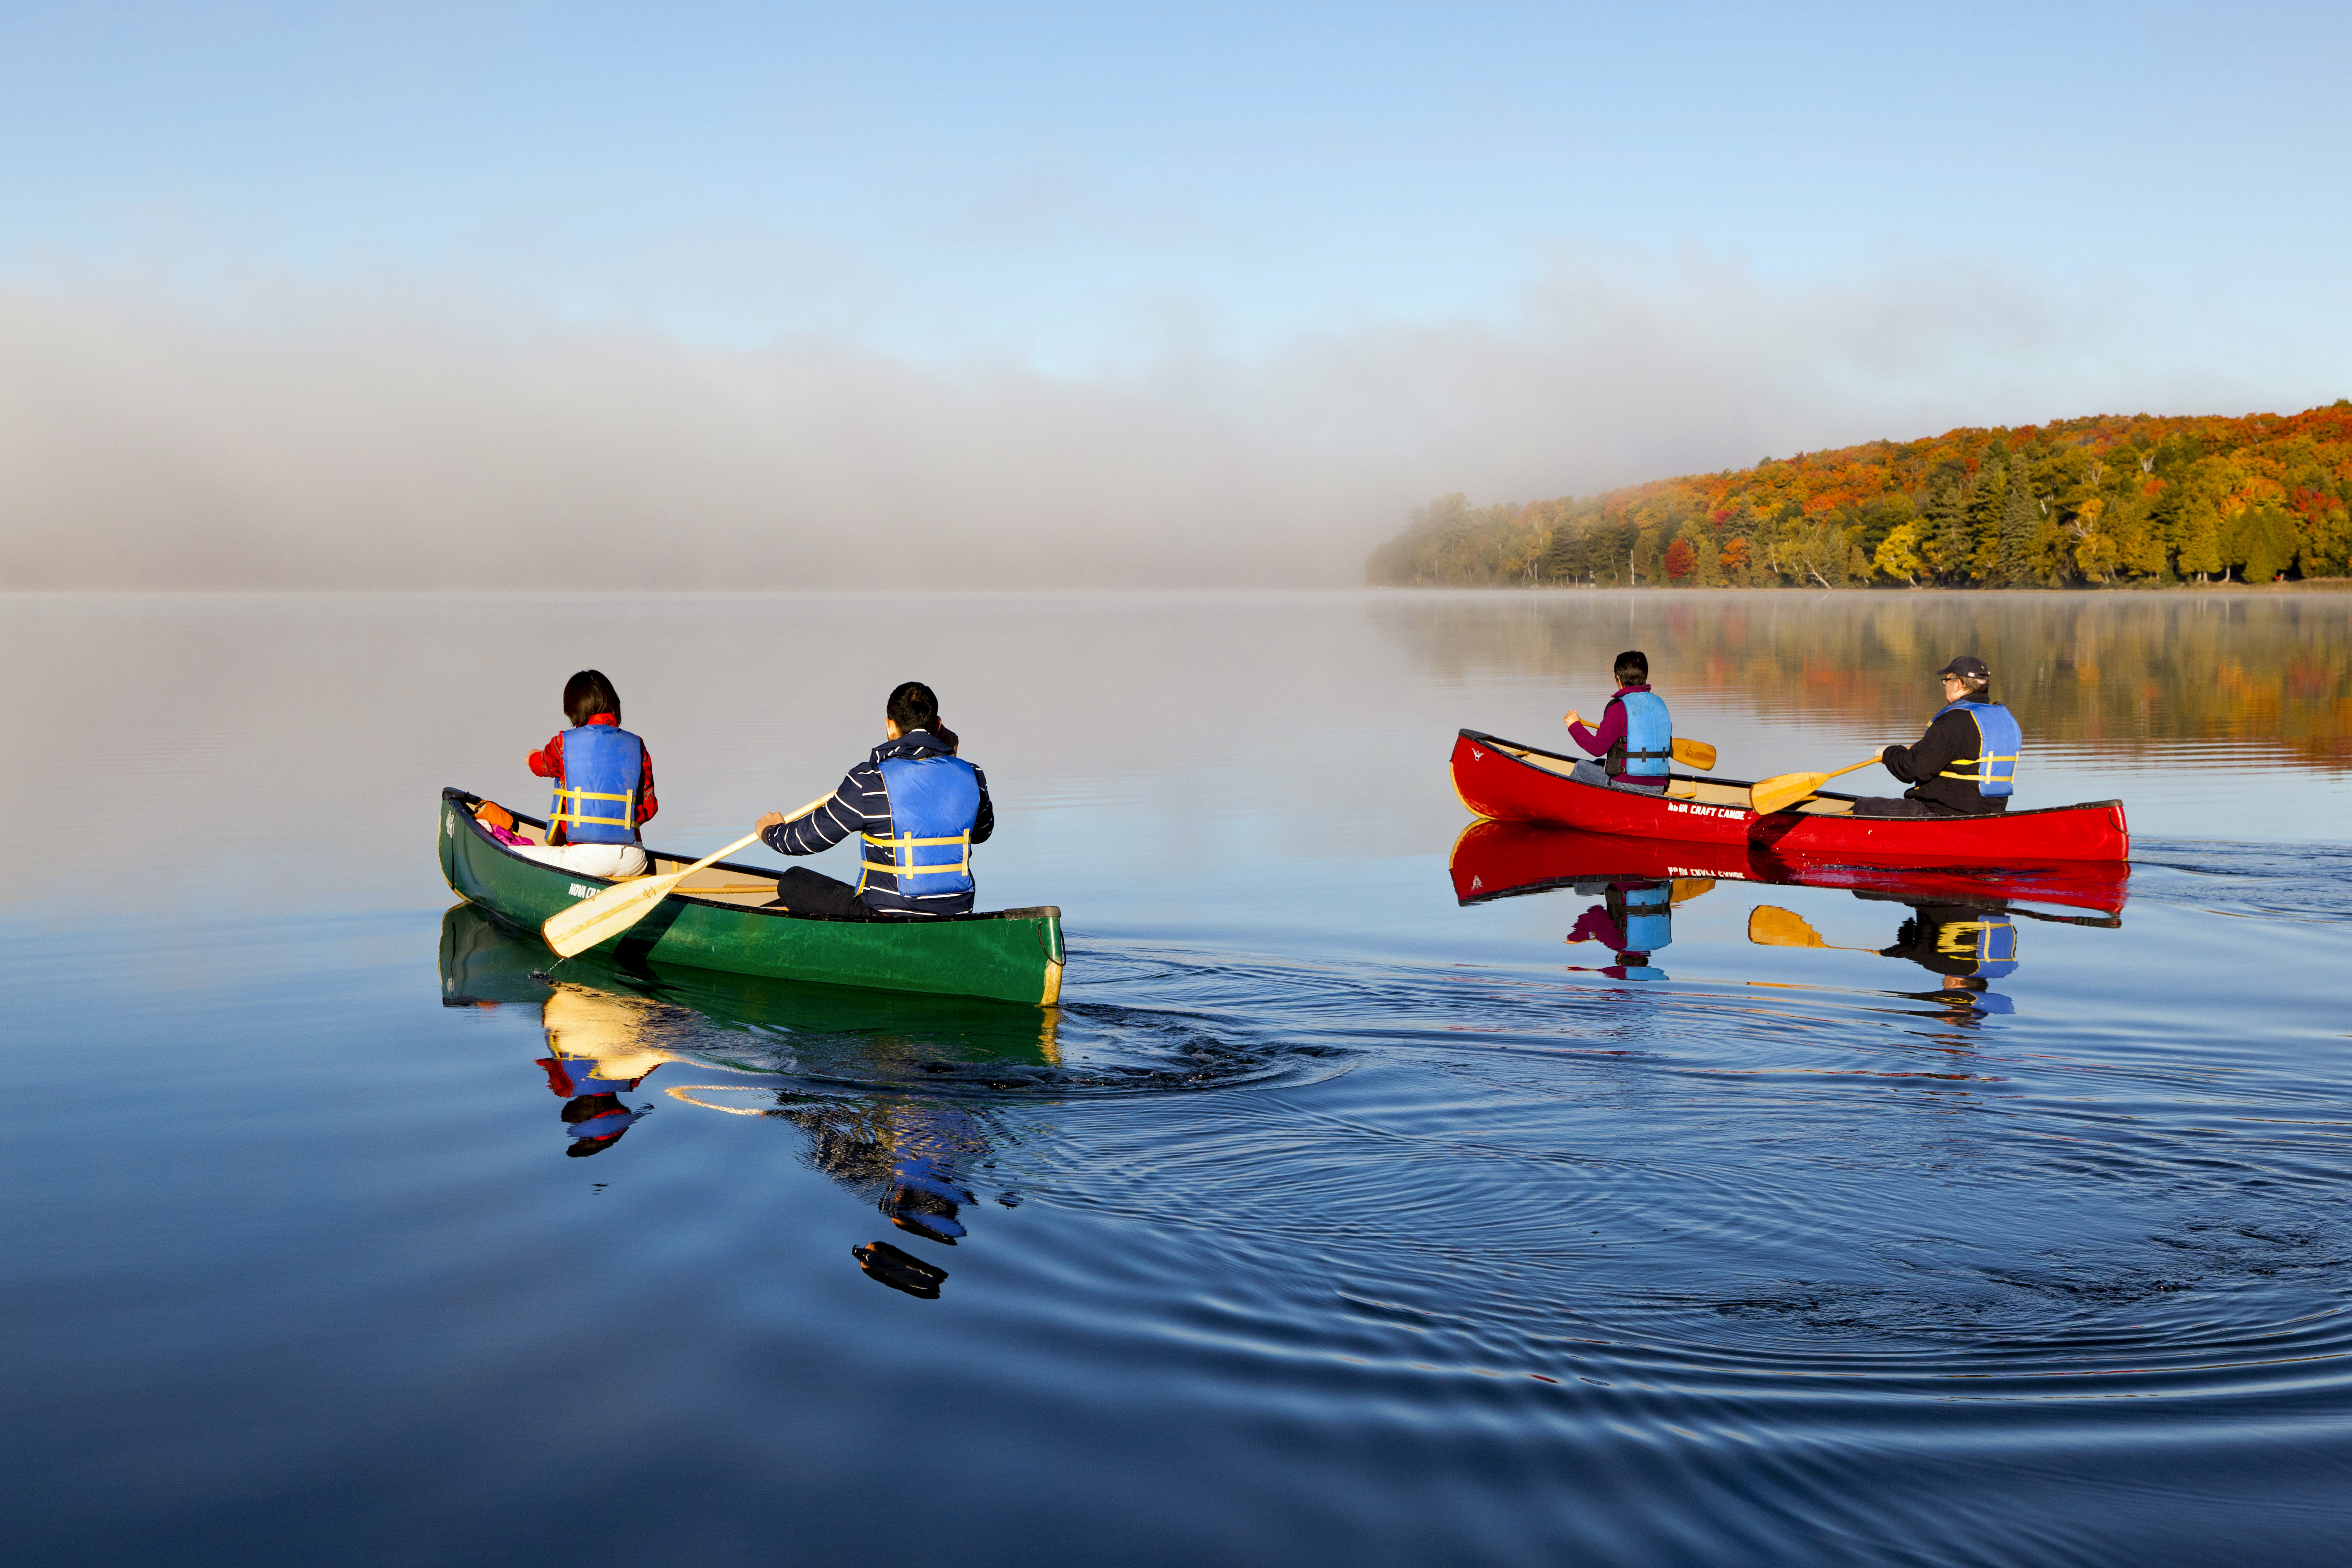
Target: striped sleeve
(860, 799)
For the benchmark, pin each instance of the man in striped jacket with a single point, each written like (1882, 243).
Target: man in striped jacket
(918, 808)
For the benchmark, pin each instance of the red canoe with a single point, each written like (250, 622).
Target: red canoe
(1512, 783)
(1501, 859)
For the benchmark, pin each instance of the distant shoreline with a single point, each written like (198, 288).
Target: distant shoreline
(2108, 501)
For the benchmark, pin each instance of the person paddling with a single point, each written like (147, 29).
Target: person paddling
(1966, 764)
(919, 807)
(604, 786)
(1635, 737)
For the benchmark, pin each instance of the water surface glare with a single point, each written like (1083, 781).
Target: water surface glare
(1331, 1219)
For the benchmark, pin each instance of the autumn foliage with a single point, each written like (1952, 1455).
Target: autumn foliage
(2108, 500)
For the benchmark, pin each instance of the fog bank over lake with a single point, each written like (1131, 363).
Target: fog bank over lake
(431, 433)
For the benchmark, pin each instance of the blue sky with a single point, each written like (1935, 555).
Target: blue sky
(1518, 250)
(1079, 183)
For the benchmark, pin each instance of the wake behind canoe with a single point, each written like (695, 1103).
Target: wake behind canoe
(716, 922)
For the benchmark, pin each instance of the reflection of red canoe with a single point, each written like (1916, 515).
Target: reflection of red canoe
(1513, 783)
(1495, 859)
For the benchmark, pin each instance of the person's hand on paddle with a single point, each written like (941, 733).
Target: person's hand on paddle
(774, 819)
(1572, 718)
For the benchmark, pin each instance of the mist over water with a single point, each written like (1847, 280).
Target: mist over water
(275, 431)
(1331, 1219)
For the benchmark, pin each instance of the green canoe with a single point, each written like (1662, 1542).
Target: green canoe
(716, 922)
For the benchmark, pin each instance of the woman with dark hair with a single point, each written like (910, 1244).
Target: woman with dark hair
(604, 786)
(919, 807)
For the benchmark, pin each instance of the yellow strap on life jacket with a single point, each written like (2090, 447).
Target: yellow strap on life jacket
(895, 846)
(1983, 765)
(563, 794)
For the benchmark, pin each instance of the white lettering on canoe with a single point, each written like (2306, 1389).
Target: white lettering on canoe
(1719, 875)
(1688, 809)
(580, 892)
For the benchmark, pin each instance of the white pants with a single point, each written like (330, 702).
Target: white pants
(607, 861)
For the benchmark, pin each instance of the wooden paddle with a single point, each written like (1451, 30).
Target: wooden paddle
(1769, 925)
(624, 904)
(1690, 754)
(1786, 790)
(1693, 753)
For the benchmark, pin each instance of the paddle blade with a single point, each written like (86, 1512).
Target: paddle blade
(1771, 926)
(608, 915)
(1686, 889)
(1693, 753)
(1779, 793)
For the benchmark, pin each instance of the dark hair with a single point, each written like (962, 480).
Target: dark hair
(587, 694)
(914, 706)
(1633, 668)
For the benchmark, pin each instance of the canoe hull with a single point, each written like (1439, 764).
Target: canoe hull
(1015, 955)
(1494, 783)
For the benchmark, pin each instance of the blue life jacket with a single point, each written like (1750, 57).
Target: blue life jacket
(1993, 769)
(1990, 943)
(934, 802)
(1649, 917)
(1648, 748)
(596, 798)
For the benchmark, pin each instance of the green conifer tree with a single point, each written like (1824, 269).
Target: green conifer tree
(2020, 523)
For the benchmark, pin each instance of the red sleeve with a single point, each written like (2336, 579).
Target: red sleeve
(646, 803)
(549, 764)
(1606, 733)
(1594, 925)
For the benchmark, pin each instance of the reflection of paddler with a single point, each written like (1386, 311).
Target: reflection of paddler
(598, 1052)
(907, 1149)
(1968, 945)
(1965, 943)
(1969, 948)
(910, 1152)
(1635, 920)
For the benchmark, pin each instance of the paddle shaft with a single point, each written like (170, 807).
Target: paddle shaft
(615, 908)
(1849, 768)
(743, 843)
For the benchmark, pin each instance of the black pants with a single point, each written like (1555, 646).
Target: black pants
(808, 892)
(1879, 806)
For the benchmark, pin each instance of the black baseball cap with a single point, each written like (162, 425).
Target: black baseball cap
(1968, 667)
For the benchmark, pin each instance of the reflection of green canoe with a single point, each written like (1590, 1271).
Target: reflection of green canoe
(714, 923)
(485, 963)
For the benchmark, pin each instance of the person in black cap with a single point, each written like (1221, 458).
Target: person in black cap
(1966, 764)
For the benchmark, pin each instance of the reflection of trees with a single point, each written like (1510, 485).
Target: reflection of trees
(2115, 669)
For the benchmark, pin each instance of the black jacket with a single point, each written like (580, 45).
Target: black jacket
(1950, 737)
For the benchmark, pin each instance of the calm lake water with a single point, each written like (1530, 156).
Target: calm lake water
(1330, 1220)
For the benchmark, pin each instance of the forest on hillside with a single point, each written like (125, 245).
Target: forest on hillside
(2104, 500)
